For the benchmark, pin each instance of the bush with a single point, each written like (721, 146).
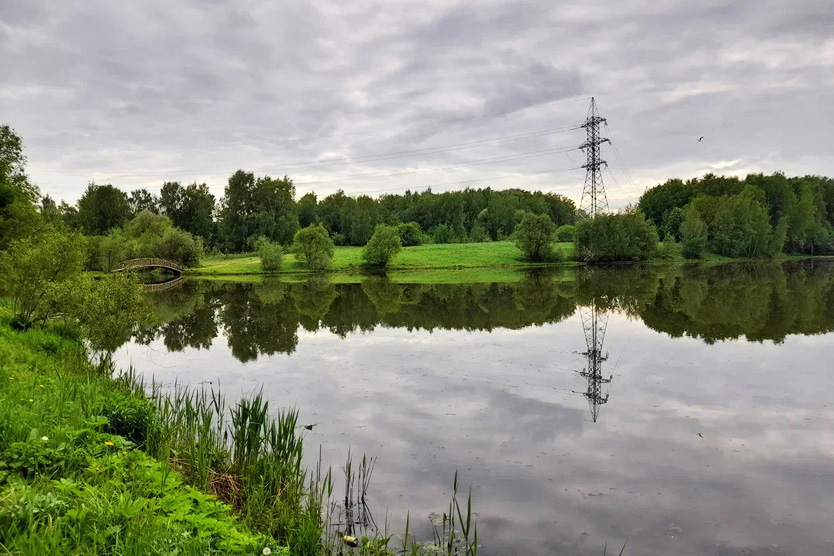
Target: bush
(271, 254)
(615, 237)
(410, 234)
(478, 234)
(668, 249)
(313, 246)
(128, 416)
(383, 245)
(534, 235)
(565, 233)
(444, 234)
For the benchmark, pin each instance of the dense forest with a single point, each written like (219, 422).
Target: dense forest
(758, 216)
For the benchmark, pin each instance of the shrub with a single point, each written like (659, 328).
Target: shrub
(271, 254)
(668, 249)
(410, 234)
(128, 416)
(313, 246)
(383, 245)
(444, 234)
(565, 233)
(478, 234)
(615, 237)
(534, 235)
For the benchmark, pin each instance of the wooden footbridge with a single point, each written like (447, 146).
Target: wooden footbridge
(137, 264)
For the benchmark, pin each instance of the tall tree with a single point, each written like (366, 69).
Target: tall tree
(102, 208)
(236, 210)
(142, 199)
(13, 163)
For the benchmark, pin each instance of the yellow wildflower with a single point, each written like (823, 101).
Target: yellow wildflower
(124, 453)
(108, 443)
(41, 386)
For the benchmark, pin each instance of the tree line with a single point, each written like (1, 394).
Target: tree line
(756, 216)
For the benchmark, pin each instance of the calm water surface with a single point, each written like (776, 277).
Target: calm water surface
(705, 426)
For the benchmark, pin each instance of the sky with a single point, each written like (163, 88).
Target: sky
(383, 96)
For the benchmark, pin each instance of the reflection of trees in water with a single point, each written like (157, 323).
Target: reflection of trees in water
(762, 301)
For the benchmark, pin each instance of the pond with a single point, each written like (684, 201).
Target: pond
(683, 410)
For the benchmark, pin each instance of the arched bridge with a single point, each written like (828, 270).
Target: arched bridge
(136, 264)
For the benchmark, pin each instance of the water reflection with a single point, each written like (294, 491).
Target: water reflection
(759, 302)
(705, 447)
(594, 325)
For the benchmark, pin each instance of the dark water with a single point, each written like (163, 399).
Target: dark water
(704, 426)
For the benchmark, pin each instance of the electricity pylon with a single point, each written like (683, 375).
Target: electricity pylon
(594, 200)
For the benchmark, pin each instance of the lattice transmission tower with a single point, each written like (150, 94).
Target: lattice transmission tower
(593, 200)
(595, 323)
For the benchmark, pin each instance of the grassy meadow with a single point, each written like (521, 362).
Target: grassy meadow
(348, 260)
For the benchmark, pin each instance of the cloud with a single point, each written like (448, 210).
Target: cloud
(136, 93)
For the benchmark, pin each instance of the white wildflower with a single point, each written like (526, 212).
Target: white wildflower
(266, 551)
(45, 438)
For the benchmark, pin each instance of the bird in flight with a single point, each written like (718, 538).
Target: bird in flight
(699, 138)
(310, 427)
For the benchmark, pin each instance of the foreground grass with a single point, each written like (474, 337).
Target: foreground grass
(348, 260)
(76, 476)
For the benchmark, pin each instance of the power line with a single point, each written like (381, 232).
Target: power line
(491, 160)
(290, 138)
(345, 161)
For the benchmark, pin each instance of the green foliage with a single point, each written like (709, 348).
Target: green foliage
(478, 234)
(35, 273)
(672, 222)
(382, 247)
(13, 165)
(128, 416)
(313, 246)
(102, 208)
(190, 208)
(668, 249)
(742, 226)
(615, 237)
(18, 217)
(444, 234)
(410, 234)
(534, 235)
(693, 234)
(257, 207)
(271, 255)
(566, 233)
(142, 200)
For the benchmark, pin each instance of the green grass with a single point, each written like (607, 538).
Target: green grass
(89, 465)
(348, 260)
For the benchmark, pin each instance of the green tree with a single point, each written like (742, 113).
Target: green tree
(34, 270)
(693, 234)
(271, 255)
(18, 217)
(742, 225)
(382, 247)
(615, 237)
(236, 210)
(273, 211)
(534, 236)
(307, 210)
(13, 164)
(410, 234)
(142, 199)
(102, 208)
(153, 235)
(565, 233)
(313, 246)
(672, 222)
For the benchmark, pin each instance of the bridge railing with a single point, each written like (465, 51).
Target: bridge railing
(149, 262)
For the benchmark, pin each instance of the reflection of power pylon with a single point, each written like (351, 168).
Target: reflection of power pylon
(594, 323)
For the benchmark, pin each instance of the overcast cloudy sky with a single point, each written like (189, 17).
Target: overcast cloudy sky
(375, 96)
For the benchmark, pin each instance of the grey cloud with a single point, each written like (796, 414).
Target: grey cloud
(193, 90)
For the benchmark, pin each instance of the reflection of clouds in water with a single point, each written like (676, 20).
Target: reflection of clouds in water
(497, 406)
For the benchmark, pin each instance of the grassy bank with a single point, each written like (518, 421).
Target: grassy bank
(92, 465)
(348, 260)
(76, 473)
